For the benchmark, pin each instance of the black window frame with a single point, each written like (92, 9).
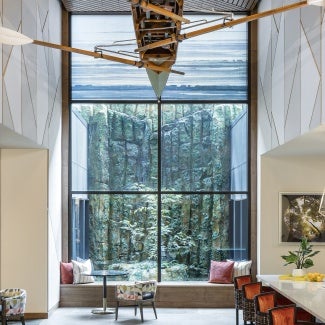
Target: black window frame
(159, 103)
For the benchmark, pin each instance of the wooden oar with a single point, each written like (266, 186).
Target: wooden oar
(146, 5)
(11, 37)
(227, 24)
(100, 55)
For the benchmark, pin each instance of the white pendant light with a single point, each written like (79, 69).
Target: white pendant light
(11, 37)
(320, 3)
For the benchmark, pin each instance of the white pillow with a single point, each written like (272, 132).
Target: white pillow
(80, 267)
(242, 268)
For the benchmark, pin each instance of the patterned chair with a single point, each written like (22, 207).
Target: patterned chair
(13, 302)
(239, 281)
(139, 293)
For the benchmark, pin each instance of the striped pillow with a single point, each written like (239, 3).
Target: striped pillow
(80, 267)
(242, 268)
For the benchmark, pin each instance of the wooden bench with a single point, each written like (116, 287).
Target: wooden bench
(169, 294)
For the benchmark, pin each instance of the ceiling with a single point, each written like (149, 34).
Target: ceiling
(120, 6)
(12, 140)
(306, 145)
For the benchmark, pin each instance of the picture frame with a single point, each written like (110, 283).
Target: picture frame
(301, 215)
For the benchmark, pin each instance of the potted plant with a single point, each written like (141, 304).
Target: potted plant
(301, 257)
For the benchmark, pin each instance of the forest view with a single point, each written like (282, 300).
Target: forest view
(159, 198)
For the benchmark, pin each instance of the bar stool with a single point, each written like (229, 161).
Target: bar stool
(262, 303)
(267, 300)
(286, 315)
(239, 281)
(301, 314)
(250, 290)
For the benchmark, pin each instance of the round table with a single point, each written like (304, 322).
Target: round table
(105, 274)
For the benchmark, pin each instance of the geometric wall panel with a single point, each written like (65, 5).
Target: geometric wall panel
(6, 113)
(311, 24)
(292, 53)
(28, 94)
(310, 82)
(12, 78)
(1, 70)
(30, 106)
(292, 85)
(264, 124)
(28, 82)
(317, 110)
(263, 41)
(10, 17)
(277, 73)
(293, 104)
(323, 67)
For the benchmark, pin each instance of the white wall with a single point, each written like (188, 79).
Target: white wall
(291, 106)
(24, 224)
(285, 174)
(30, 117)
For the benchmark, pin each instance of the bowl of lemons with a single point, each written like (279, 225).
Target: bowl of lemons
(315, 277)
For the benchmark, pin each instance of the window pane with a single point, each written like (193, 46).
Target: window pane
(117, 231)
(114, 147)
(199, 228)
(139, 189)
(204, 147)
(215, 64)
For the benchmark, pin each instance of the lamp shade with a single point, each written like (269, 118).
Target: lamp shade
(11, 37)
(320, 3)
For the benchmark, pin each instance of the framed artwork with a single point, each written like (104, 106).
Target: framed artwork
(301, 215)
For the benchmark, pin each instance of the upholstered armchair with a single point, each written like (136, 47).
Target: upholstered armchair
(13, 302)
(139, 293)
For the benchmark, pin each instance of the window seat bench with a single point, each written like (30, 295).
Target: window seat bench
(169, 294)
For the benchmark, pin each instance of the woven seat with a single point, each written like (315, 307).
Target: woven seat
(13, 302)
(250, 290)
(239, 281)
(262, 303)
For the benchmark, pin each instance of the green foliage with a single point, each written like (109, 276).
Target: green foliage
(301, 257)
(123, 156)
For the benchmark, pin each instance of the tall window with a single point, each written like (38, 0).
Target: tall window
(159, 188)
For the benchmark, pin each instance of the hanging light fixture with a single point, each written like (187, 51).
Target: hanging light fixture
(11, 37)
(320, 3)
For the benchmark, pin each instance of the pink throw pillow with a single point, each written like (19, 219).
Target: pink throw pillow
(66, 273)
(221, 272)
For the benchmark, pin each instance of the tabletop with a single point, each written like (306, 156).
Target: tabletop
(108, 273)
(308, 295)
